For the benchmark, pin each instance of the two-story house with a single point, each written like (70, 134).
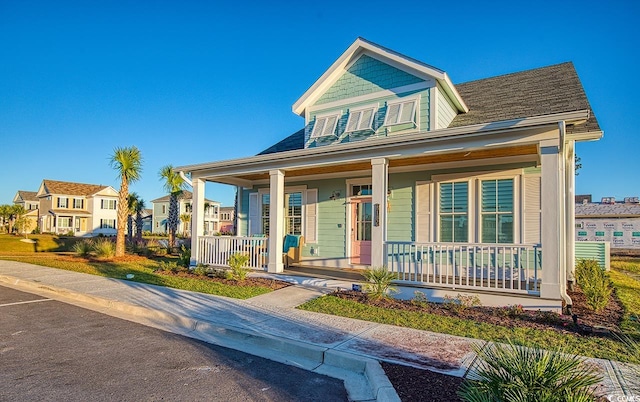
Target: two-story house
(210, 208)
(465, 187)
(77, 208)
(227, 220)
(30, 202)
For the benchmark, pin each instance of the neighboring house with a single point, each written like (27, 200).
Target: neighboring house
(30, 202)
(227, 220)
(81, 209)
(611, 221)
(211, 216)
(465, 187)
(147, 220)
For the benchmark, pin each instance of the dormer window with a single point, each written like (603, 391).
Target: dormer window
(401, 112)
(325, 126)
(361, 119)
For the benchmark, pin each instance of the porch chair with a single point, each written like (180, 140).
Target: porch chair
(292, 249)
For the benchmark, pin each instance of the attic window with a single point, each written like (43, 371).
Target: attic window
(401, 112)
(325, 125)
(361, 119)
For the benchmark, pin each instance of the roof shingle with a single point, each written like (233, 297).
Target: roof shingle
(68, 188)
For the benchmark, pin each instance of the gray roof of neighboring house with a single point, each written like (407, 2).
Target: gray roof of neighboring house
(595, 210)
(186, 195)
(28, 195)
(70, 188)
(541, 91)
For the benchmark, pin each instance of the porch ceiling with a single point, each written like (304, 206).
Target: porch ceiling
(479, 154)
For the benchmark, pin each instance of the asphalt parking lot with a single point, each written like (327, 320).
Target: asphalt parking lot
(50, 350)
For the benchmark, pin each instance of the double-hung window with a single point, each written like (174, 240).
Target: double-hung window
(361, 119)
(63, 202)
(497, 211)
(454, 211)
(293, 214)
(401, 112)
(265, 213)
(108, 204)
(325, 126)
(78, 203)
(107, 223)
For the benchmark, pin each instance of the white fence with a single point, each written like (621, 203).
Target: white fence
(215, 250)
(496, 267)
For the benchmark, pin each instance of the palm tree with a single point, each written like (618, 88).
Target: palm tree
(16, 213)
(185, 218)
(174, 184)
(5, 214)
(128, 163)
(132, 201)
(140, 206)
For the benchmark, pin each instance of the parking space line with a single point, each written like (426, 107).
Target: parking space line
(25, 302)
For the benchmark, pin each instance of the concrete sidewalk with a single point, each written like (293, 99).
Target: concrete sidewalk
(270, 326)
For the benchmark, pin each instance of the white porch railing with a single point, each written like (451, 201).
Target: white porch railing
(215, 250)
(495, 267)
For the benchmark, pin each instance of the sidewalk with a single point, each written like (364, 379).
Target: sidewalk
(270, 326)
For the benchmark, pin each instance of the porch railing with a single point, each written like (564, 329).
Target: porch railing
(495, 267)
(215, 250)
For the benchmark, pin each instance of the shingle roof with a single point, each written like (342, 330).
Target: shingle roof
(607, 210)
(541, 91)
(28, 195)
(68, 188)
(186, 195)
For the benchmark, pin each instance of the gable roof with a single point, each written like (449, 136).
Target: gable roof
(69, 188)
(185, 195)
(26, 196)
(598, 210)
(537, 92)
(362, 46)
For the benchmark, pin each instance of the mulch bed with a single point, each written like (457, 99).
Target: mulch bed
(588, 322)
(272, 284)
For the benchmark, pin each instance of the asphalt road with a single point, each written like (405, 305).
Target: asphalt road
(52, 351)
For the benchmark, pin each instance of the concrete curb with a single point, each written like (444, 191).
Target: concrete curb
(363, 377)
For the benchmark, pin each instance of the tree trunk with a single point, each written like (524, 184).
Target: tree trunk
(139, 227)
(173, 219)
(123, 211)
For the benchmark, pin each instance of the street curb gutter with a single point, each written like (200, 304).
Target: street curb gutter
(363, 377)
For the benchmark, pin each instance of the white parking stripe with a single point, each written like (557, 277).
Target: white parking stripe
(25, 302)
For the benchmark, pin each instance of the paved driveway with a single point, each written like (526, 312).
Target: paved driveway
(54, 351)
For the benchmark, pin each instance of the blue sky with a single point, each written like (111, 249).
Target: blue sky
(191, 82)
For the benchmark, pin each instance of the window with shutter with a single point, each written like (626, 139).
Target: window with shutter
(401, 112)
(497, 211)
(325, 126)
(423, 212)
(532, 209)
(454, 211)
(360, 119)
(311, 216)
(254, 215)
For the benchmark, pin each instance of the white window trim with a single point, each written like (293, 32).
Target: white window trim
(358, 182)
(291, 189)
(470, 211)
(66, 202)
(402, 101)
(315, 135)
(361, 109)
(517, 200)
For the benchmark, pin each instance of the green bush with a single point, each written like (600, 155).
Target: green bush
(237, 262)
(460, 302)
(184, 258)
(201, 270)
(104, 248)
(379, 281)
(83, 248)
(594, 283)
(516, 373)
(169, 266)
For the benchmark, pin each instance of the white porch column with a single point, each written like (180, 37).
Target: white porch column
(570, 179)
(238, 217)
(197, 217)
(552, 223)
(379, 183)
(276, 220)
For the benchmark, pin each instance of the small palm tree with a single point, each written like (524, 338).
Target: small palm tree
(128, 163)
(132, 200)
(185, 218)
(174, 184)
(17, 211)
(140, 206)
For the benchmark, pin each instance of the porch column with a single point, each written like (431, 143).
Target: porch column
(197, 218)
(379, 183)
(552, 223)
(238, 213)
(276, 220)
(570, 179)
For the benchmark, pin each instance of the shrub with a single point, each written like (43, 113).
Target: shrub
(83, 248)
(419, 297)
(169, 266)
(379, 281)
(516, 373)
(237, 262)
(513, 311)
(104, 248)
(201, 270)
(460, 302)
(594, 283)
(184, 258)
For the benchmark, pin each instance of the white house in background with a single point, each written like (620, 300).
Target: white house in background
(77, 208)
(456, 188)
(227, 219)
(211, 214)
(30, 202)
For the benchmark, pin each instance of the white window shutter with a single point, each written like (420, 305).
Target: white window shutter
(352, 124)
(254, 215)
(423, 212)
(532, 209)
(311, 216)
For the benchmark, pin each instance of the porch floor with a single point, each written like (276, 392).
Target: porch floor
(325, 273)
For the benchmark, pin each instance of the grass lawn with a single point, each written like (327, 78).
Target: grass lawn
(627, 287)
(10, 244)
(141, 268)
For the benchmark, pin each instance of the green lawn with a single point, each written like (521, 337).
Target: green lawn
(10, 244)
(627, 287)
(143, 271)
